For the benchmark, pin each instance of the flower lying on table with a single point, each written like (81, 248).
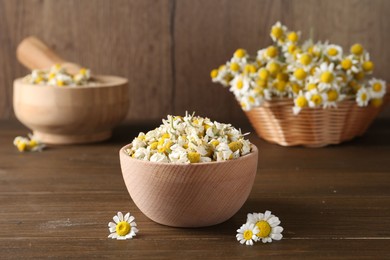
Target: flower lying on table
(29, 143)
(259, 226)
(123, 228)
(312, 74)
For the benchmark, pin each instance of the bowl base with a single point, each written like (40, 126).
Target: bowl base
(49, 138)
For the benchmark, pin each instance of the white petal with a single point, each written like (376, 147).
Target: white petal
(249, 242)
(267, 214)
(112, 229)
(277, 229)
(131, 219)
(242, 241)
(134, 229)
(121, 238)
(116, 219)
(133, 224)
(127, 216)
(239, 236)
(264, 240)
(120, 215)
(111, 224)
(276, 236)
(111, 235)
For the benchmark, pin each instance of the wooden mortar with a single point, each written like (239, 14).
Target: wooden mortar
(67, 115)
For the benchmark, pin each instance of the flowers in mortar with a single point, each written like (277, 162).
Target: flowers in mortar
(260, 227)
(190, 139)
(58, 76)
(312, 74)
(123, 227)
(29, 143)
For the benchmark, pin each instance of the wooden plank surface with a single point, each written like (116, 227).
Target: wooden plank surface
(334, 202)
(167, 48)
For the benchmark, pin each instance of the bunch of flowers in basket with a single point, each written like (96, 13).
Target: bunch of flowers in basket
(312, 74)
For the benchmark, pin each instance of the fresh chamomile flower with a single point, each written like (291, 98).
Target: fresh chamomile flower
(240, 84)
(30, 143)
(268, 226)
(325, 76)
(334, 52)
(362, 97)
(240, 56)
(366, 64)
(377, 88)
(315, 98)
(246, 234)
(332, 97)
(300, 102)
(123, 227)
(349, 64)
(278, 33)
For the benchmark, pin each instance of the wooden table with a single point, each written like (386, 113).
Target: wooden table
(333, 202)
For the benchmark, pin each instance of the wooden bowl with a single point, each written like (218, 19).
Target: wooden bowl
(68, 115)
(189, 195)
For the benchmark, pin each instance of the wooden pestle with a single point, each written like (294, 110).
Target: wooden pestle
(34, 54)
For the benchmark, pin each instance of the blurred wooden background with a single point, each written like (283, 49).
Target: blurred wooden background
(166, 48)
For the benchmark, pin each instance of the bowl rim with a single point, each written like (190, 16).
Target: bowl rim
(117, 81)
(254, 152)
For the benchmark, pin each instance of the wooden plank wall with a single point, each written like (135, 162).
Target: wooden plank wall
(166, 48)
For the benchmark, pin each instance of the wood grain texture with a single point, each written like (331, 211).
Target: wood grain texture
(189, 195)
(333, 203)
(167, 48)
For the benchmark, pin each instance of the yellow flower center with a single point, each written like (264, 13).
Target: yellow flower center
(273, 68)
(259, 90)
(239, 84)
(377, 102)
(316, 99)
(83, 71)
(333, 52)
(123, 228)
(360, 75)
(364, 96)
(291, 48)
(357, 49)
(239, 53)
(32, 143)
(264, 227)
(248, 234)
(368, 66)
(234, 146)
(272, 51)
(280, 86)
(332, 95)
(261, 82)
(327, 77)
(282, 76)
(263, 74)
(346, 64)
(234, 66)
(311, 86)
(249, 68)
(300, 74)
(301, 101)
(377, 87)
(153, 146)
(251, 99)
(21, 146)
(292, 36)
(214, 73)
(305, 59)
(60, 83)
(295, 88)
(214, 143)
(193, 157)
(276, 32)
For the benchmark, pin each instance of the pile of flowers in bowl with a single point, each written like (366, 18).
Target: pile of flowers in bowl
(190, 139)
(312, 74)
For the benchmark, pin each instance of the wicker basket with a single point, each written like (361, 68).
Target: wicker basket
(276, 123)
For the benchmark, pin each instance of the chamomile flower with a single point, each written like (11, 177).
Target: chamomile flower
(334, 52)
(326, 76)
(315, 98)
(377, 88)
(246, 234)
(300, 102)
(362, 97)
(268, 226)
(240, 84)
(123, 227)
(332, 97)
(30, 143)
(278, 33)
